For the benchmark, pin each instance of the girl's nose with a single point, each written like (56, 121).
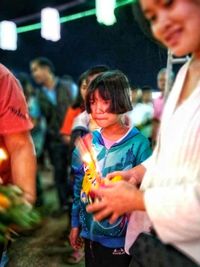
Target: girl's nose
(99, 108)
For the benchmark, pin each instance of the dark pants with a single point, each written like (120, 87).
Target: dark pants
(97, 255)
(39, 191)
(58, 153)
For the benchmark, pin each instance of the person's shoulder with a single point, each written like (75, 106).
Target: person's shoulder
(4, 71)
(83, 116)
(63, 83)
(74, 111)
(135, 134)
(81, 121)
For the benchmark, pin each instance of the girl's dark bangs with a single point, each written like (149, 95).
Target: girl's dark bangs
(104, 92)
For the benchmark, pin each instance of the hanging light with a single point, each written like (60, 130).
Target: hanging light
(8, 35)
(105, 11)
(50, 24)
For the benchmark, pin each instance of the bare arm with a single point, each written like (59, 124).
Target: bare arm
(23, 162)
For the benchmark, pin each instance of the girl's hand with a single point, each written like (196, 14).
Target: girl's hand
(75, 240)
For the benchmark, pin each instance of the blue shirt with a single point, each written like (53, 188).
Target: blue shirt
(50, 94)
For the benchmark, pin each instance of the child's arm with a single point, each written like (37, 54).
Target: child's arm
(78, 173)
(75, 240)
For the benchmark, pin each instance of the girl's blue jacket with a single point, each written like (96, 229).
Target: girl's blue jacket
(130, 151)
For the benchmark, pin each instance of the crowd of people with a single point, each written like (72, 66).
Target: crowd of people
(135, 201)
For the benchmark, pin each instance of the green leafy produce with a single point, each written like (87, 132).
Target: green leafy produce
(15, 211)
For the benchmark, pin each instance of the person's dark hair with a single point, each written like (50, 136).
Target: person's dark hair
(84, 76)
(96, 69)
(44, 62)
(143, 22)
(146, 88)
(112, 85)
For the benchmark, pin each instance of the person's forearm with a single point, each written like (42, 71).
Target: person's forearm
(23, 165)
(25, 175)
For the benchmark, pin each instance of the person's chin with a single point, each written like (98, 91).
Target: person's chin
(101, 123)
(180, 49)
(179, 52)
(38, 81)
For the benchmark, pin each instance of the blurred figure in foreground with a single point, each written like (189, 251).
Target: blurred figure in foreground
(170, 181)
(18, 160)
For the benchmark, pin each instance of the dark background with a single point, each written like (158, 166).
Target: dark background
(84, 42)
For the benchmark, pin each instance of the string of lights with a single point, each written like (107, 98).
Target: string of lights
(51, 20)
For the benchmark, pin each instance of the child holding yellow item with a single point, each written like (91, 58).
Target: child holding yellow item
(115, 146)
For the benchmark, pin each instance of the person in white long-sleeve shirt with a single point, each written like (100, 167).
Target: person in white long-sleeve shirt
(170, 183)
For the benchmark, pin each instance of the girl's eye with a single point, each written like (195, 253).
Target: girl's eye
(106, 102)
(163, 4)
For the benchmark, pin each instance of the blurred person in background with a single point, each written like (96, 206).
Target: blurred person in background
(158, 103)
(73, 86)
(84, 122)
(134, 96)
(74, 110)
(54, 97)
(142, 114)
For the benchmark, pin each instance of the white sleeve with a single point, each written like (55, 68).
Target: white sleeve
(175, 212)
(147, 162)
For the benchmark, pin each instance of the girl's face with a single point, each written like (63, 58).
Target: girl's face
(100, 111)
(175, 23)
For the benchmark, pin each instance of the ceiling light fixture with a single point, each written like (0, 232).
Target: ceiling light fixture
(8, 35)
(50, 24)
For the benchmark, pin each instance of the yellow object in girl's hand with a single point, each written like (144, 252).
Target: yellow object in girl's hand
(114, 179)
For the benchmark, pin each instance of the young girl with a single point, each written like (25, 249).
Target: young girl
(117, 147)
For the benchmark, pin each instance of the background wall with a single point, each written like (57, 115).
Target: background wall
(85, 43)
